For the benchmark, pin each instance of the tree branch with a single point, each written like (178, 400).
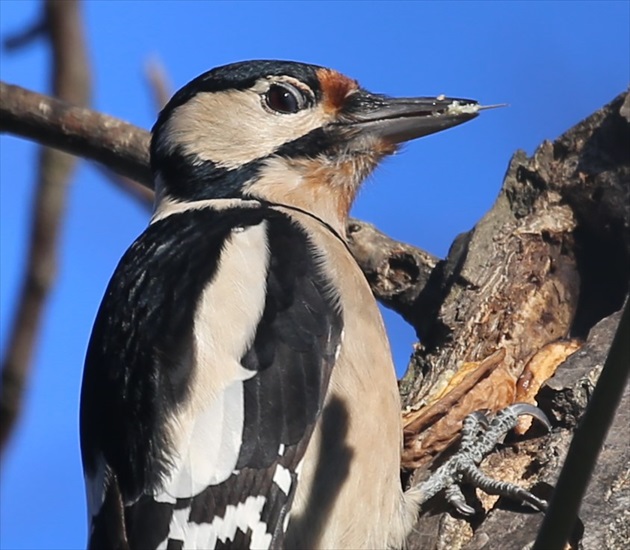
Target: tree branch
(70, 80)
(587, 442)
(118, 145)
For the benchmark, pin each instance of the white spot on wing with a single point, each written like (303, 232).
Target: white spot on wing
(195, 536)
(282, 478)
(281, 449)
(164, 497)
(285, 523)
(179, 527)
(261, 540)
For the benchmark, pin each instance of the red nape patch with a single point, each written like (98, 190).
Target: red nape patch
(335, 88)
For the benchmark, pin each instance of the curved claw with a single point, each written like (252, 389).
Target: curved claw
(464, 509)
(521, 409)
(455, 496)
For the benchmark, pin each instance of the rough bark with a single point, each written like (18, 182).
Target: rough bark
(543, 274)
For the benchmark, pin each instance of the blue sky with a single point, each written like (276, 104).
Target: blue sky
(554, 63)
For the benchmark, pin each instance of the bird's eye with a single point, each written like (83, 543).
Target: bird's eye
(284, 99)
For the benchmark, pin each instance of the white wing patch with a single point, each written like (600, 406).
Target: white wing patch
(207, 432)
(212, 447)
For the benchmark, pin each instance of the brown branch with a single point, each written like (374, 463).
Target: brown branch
(397, 272)
(160, 90)
(140, 193)
(587, 442)
(70, 81)
(79, 131)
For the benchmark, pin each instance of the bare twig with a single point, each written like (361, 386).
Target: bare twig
(71, 82)
(141, 193)
(158, 82)
(397, 272)
(160, 90)
(25, 37)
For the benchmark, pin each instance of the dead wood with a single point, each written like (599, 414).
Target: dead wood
(543, 274)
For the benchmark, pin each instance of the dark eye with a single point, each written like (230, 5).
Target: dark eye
(284, 99)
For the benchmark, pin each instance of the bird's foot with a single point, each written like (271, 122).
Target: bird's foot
(479, 436)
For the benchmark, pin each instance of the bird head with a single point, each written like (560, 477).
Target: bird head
(287, 133)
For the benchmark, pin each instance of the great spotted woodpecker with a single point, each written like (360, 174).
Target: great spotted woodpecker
(239, 389)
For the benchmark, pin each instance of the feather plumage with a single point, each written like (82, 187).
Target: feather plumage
(258, 423)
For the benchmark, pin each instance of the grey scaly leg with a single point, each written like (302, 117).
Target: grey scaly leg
(479, 436)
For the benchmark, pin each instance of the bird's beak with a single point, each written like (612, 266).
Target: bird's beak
(395, 120)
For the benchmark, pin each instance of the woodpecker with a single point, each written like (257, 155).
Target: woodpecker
(239, 390)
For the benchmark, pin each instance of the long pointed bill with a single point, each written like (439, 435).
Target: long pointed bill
(396, 120)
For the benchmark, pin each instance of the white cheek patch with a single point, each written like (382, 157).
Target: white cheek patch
(202, 128)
